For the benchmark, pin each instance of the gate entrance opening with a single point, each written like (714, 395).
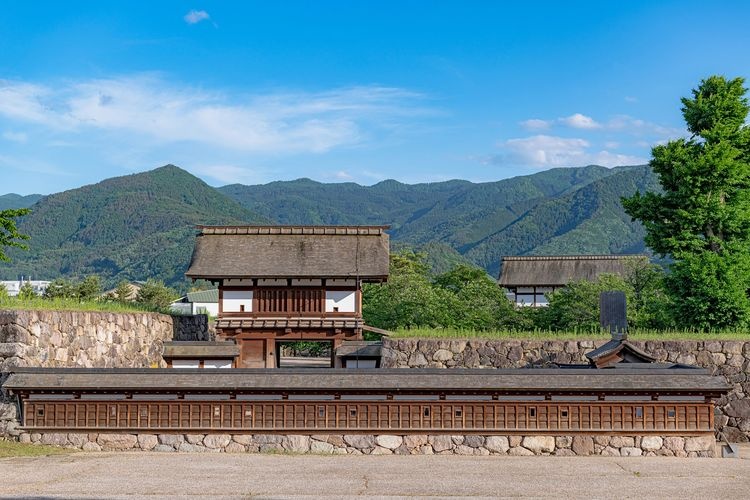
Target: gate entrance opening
(305, 354)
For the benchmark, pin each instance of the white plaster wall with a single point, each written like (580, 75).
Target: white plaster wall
(211, 307)
(217, 363)
(185, 363)
(233, 299)
(343, 299)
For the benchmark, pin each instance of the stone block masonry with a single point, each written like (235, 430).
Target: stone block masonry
(79, 339)
(730, 359)
(386, 444)
(82, 339)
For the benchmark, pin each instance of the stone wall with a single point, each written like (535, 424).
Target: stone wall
(77, 339)
(730, 359)
(383, 444)
(82, 339)
(192, 328)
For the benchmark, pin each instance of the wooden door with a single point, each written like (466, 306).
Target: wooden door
(253, 353)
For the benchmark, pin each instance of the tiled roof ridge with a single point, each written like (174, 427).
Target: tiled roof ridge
(571, 257)
(292, 230)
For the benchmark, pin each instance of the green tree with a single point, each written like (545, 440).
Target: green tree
(479, 303)
(90, 288)
(409, 298)
(9, 235)
(702, 217)
(26, 292)
(62, 289)
(155, 295)
(576, 306)
(3, 293)
(124, 292)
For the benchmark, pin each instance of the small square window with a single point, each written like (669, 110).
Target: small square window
(321, 411)
(242, 308)
(248, 412)
(426, 411)
(217, 411)
(639, 412)
(352, 412)
(564, 413)
(459, 413)
(532, 412)
(112, 411)
(670, 413)
(143, 412)
(40, 412)
(335, 309)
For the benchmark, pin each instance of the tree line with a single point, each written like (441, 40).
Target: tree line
(152, 295)
(699, 222)
(467, 298)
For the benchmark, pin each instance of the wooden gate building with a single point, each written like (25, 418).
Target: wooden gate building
(288, 283)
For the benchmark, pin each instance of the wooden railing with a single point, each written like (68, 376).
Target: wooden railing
(289, 301)
(545, 417)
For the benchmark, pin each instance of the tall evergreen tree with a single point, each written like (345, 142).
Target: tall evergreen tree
(702, 218)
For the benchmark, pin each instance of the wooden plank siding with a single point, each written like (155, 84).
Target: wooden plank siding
(281, 300)
(642, 417)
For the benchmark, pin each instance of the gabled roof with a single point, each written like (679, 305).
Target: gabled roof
(560, 270)
(205, 296)
(616, 351)
(290, 251)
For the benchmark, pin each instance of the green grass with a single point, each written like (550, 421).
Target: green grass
(39, 303)
(447, 333)
(15, 449)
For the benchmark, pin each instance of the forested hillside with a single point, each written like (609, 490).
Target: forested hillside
(13, 200)
(141, 226)
(130, 227)
(558, 211)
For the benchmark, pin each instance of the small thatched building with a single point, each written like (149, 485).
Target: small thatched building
(289, 283)
(528, 278)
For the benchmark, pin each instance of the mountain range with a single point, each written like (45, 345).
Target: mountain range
(142, 225)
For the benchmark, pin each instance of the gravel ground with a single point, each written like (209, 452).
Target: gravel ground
(221, 475)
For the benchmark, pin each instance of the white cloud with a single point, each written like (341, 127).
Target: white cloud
(545, 151)
(9, 135)
(618, 123)
(536, 124)
(196, 16)
(578, 120)
(630, 98)
(230, 174)
(343, 175)
(143, 108)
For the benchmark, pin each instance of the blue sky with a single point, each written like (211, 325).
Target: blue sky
(419, 91)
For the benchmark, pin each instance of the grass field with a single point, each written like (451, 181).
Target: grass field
(40, 303)
(446, 333)
(15, 449)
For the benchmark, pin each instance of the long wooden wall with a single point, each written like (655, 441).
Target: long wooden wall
(433, 416)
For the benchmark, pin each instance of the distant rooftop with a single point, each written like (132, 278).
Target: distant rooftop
(559, 270)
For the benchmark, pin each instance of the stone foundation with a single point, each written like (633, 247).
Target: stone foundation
(730, 359)
(386, 444)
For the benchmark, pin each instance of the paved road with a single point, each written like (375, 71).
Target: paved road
(165, 475)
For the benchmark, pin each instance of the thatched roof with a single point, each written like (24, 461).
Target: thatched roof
(560, 270)
(290, 252)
